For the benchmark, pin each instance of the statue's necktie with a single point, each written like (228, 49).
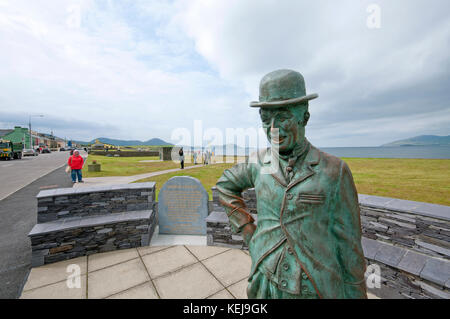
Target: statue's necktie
(290, 168)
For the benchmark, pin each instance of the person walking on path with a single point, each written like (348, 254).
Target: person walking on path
(76, 162)
(181, 157)
(195, 158)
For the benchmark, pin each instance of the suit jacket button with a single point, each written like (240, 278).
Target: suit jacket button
(286, 266)
(284, 283)
(304, 276)
(290, 252)
(289, 196)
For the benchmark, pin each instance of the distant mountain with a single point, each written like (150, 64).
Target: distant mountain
(150, 142)
(422, 140)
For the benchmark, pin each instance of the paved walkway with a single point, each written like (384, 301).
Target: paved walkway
(167, 272)
(108, 180)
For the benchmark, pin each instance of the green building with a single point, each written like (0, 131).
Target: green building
(18, 135)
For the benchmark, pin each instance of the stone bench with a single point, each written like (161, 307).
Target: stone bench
(88, 201)
(68, 238)
(73, 222)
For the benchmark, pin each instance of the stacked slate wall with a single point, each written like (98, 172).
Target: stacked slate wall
(76, 222)
(91, 201)
(408, 241)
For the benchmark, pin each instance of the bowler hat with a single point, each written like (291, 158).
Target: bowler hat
(280, 88)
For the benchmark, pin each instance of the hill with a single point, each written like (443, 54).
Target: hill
(422, 140)
(106, 140)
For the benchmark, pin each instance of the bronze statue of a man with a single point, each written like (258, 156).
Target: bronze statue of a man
(307, 242)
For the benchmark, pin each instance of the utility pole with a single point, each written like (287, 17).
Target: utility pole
(29, 127)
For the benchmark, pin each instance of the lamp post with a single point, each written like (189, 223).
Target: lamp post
(29, 127)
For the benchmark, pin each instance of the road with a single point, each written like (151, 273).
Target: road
(16, 174)
(21, 182)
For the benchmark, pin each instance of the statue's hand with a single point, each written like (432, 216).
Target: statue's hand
(247, 232)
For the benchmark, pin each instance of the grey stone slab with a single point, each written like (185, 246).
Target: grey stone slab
(370, 247)
(434, 291)
(374, 201)
(136, 215)
(402, 205)
(390, 255)
(433, 210)
(436, 270)
(413, 262)
(141, 185)
(38, 257)
(69, 223)
(65, 191)
(436, 248)
(46, 193)
(183, 207)
(407, 206)
(217, 217)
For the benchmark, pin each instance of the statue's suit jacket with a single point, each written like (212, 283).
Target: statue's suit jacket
(316, 214)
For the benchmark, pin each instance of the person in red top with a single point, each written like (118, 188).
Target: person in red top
(76, 164)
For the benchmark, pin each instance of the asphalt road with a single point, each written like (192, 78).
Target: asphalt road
(22, 180)
(18, 214)
(15, 174)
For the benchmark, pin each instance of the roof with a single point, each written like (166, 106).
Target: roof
(4, 132)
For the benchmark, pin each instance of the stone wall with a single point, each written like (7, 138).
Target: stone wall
(81, 202)
(127, 153)
(83, 221)
(408, 241)
(68, 238)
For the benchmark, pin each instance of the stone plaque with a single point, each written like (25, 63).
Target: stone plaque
(182, 207)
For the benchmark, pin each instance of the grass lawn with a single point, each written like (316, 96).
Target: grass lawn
(127, 166)
(422, 180)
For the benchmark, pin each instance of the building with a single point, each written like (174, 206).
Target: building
(21, 135)
(18, 135)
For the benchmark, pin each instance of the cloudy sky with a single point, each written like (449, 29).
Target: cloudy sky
(138, 69)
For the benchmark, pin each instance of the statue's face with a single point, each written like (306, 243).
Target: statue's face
(290, 122)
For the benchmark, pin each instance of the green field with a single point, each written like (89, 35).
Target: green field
(422, 180)
(127, 166)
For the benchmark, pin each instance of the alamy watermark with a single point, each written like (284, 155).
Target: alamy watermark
(374, 18)
(373, 276)
(218, 142)
(74, 277)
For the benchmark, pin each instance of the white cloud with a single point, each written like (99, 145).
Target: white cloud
(147, 67)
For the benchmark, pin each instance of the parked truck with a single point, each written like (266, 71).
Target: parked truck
(10, 150)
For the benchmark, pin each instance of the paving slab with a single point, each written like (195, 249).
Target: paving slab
(239, 289)
(103, 260)
(220, 273)
(229, 267)
(203, 252)
(168, 260)
(53, 273)
(59, 290)
(142, 291)
(145, 250)
(112, 280)
(192, 282)
(223, 294)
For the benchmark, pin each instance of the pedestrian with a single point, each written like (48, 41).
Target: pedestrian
(76, 162)
(195, 158)
(180, 152)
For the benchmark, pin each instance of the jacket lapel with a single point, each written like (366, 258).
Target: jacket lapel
(278, 174)
(304, 169)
